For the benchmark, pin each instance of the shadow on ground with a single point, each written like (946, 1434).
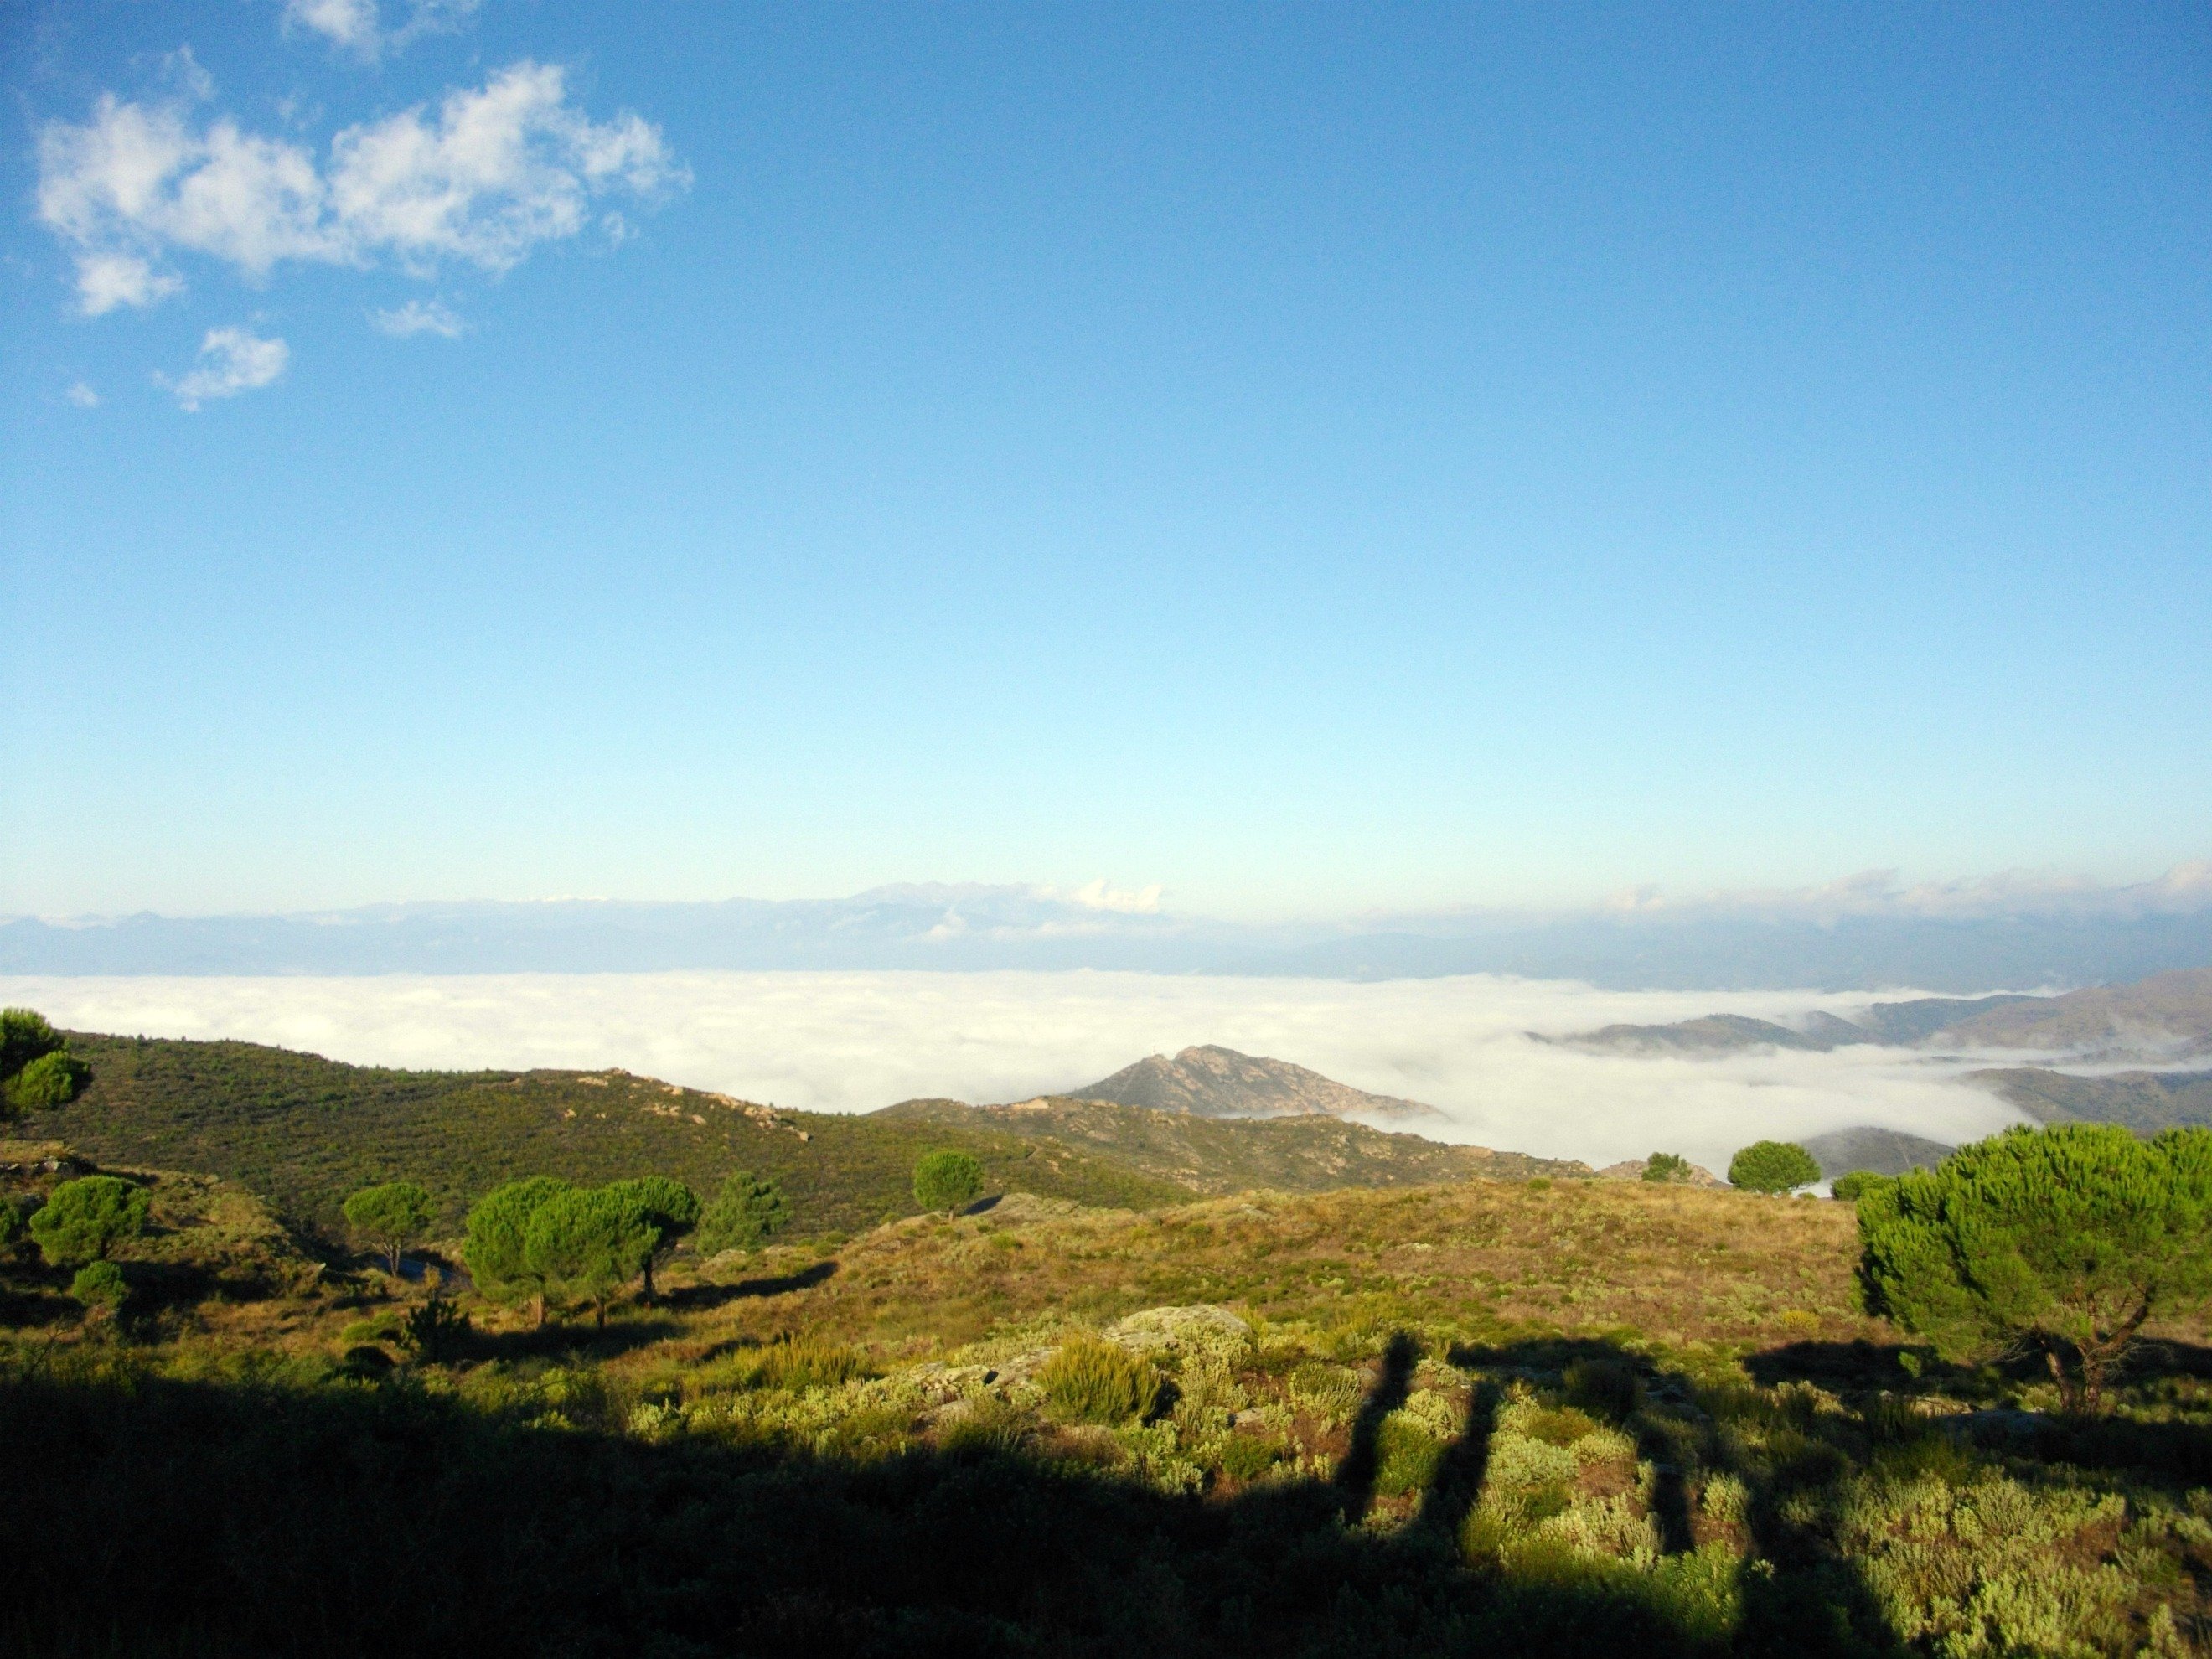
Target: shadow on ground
(392, 1517)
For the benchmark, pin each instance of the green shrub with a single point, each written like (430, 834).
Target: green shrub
(1249, 1456)
(1609, 1389)
(1561, 1426)
(947, 1181)
(87, 1218)
(1088, 1381)
(25, 1035)
(391, 1217)
(100, 1284)
(1772, 1166)
(745, 1215)
(51, 1079)
(1405, 1457)
(1671, 1167)
(1857, 1184)
(2064, 1240)
(433, 1329)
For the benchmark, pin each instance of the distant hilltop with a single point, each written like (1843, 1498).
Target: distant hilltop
(1215, 1082)
(2165, 1018)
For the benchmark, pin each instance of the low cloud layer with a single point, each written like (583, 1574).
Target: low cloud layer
(853, 1042)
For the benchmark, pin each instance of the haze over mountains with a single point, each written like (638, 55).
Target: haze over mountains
(1866, 933)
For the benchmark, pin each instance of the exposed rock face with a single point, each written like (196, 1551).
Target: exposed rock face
(1633, 1169)
(1213, 1082)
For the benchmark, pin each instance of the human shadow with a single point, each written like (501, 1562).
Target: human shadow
(694, 1297)
(1611, 1384)
(1362, 1462)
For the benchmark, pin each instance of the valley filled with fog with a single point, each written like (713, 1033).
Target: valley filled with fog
(856, 1041)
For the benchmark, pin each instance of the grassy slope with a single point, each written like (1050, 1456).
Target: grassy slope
(1474, 1257)
(1218, 1155)
(304, 1132)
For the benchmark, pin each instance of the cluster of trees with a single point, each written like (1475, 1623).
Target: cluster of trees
(547, 1242)
(80, 1222)
(36, 1067)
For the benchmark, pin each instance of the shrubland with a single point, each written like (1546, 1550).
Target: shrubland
(1478, 1416)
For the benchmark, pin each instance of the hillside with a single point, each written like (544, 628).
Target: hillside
(2145, 1102)
(1486, 1417)
(2169, 1015)
(1211, 1155)
(1215, 1082)
(304, 1132)
(1883, 1152)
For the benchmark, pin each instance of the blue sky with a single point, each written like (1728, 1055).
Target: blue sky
(1308, 458)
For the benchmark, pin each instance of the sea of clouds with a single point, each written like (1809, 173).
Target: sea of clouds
(853, 1042)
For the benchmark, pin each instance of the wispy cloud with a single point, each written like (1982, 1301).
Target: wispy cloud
(1097, 895)
(419, 317)
(357, 27)
(484, 178)
(853, 1042)
(83, 395)
(232, 361)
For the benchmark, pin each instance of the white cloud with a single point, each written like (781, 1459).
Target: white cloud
(82, 396)
(105, 281)
(181, 67)
(486, 177)
(1097, 895)
(232, 361)
(358, 26)
(417, 317)
(853, 1042)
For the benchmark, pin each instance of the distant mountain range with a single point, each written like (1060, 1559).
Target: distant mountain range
(2165, 1018)
(1851, 938)
(1213, 1082)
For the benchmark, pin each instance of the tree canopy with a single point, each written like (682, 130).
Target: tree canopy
(85, 1218)
(1669, 1167)
(36, 1068)
(392, 1216)
(495, 1251)
(672, 1208)
(745, 1214)
(585, 1244)
(1772, 1166)
(2063, 1240)
(947, 1181)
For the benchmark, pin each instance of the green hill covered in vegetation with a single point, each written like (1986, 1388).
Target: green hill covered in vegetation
(304, 1132)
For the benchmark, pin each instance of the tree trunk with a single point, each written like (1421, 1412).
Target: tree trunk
(392, 1255)
(538, 1305)
(600, 1309)
(648, 1281)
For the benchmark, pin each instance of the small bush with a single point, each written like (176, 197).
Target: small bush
(87, 1218)
(1607, 1389)
(1405, 1457)
(1667, 1167)
(1857, 1184)
(744, 1216)
(1561, 1427)
(433, 1329)
(1088, 1381)
(51, 1079)
(100, 1284)
(1772, 1166)
(1247, 1457)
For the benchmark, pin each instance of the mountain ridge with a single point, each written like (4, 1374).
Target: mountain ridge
(1207, 1080)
